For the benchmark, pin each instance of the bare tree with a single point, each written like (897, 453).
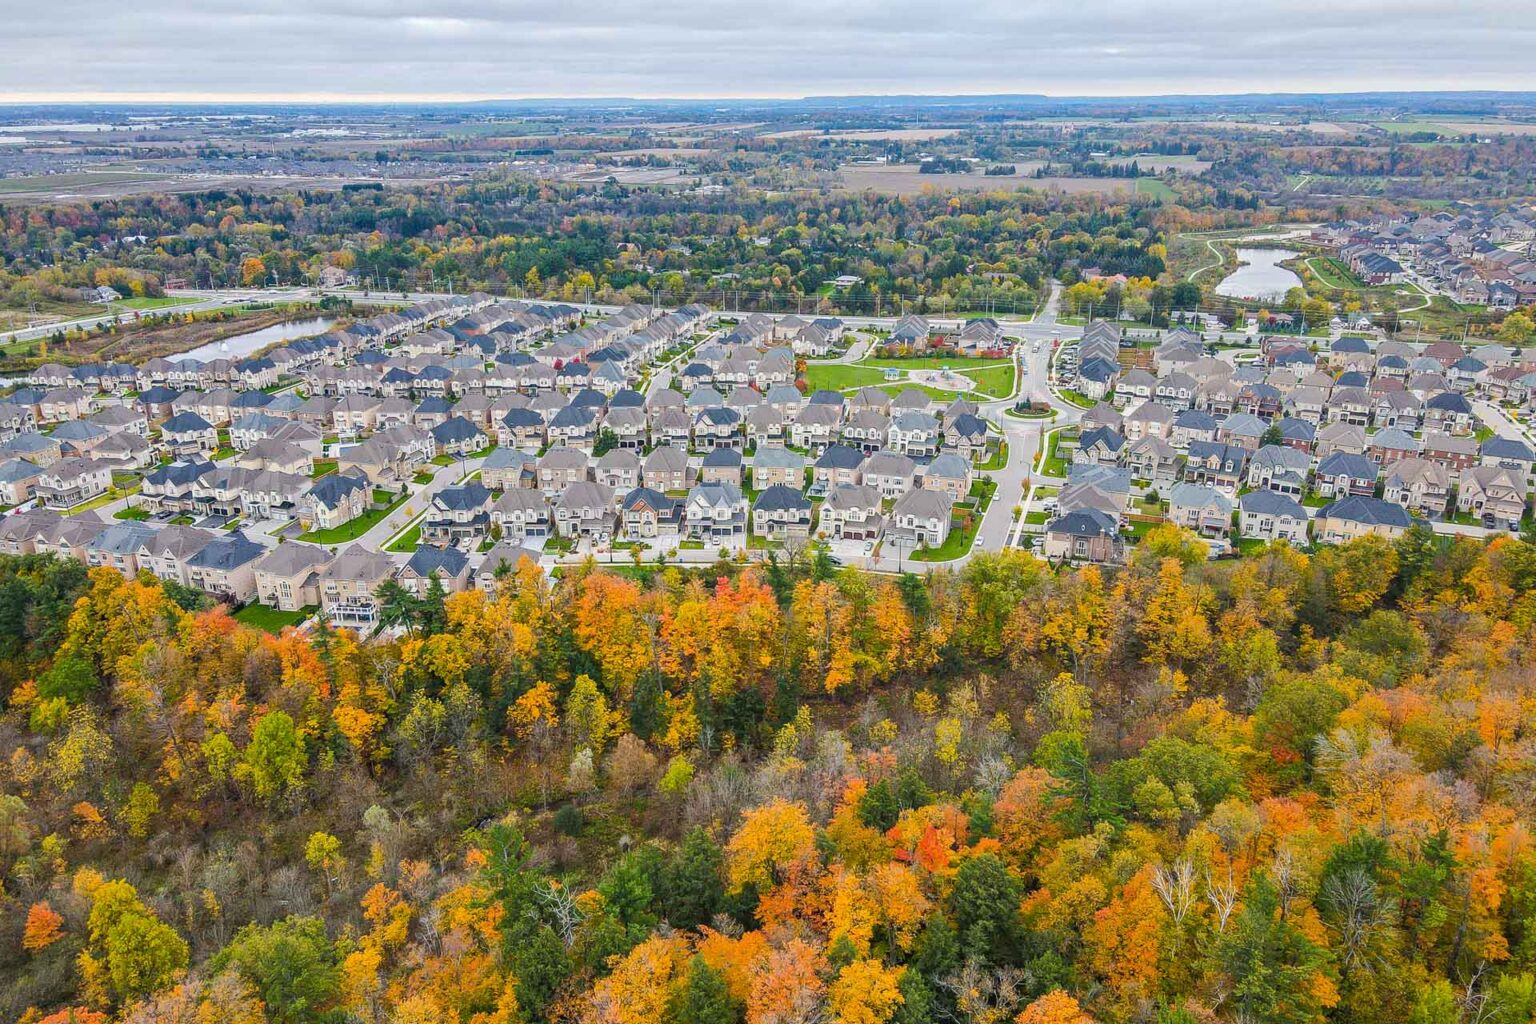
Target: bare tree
(1176, 887)
(1222, 894)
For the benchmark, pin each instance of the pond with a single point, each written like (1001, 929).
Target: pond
(1260, 275)
(242, 345)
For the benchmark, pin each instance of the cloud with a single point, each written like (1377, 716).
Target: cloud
(694, 48)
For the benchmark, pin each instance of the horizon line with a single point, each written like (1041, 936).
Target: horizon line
(439, 99)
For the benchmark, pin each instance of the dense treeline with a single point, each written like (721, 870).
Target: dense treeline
(1292, 787)
(570, 241)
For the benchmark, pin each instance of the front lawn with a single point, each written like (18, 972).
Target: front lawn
(132, 512)
(1050, 464)
(271, 619)
(347, 532)
(961, 537)
(407, 541)
(998, 459)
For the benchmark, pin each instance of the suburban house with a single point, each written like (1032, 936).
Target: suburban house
(523, 516)
(1086, 535)
(647, 513)
(585, 509)
(1202, 509)
(288, 576)
(335, 498)
(781, 512)
(716, 514)
(460, 513)
(920, 517)
(1419, 485)
(1360, 516)
(1495, 494)
(852, 512)
(68, 482)
(348, 585)
(1270, 515)
(447, 565)
(226, 567)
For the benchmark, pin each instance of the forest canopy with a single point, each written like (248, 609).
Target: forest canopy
(1291, 787)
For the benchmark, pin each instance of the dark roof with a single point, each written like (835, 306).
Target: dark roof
(228, 552)
(1273, 503)
(1361, 509)
(428, 558)
(1507, 448)
(185, 422)
(455, 428)
(722, 458)
(1357, 466)
(333, 488)
(840, 456)
(780, 496)
(464, 496)
(1087, 522)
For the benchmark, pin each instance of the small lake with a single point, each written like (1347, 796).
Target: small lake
(1261, 276)
(242, 345)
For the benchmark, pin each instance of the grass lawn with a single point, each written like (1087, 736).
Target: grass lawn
(1077, 398)
(357, 527)
(149, 302)
(998, 460)
(1249, 545)
(271, 619)
(1050, 464)
(959, 540)
(934, 393)
(840, 376)
(136, 514)
(422, 478)
(1035, 518)
(105, 498)
(323, 467)
(443, 460)
(996, 381)
(407, 541)
(1156, 188)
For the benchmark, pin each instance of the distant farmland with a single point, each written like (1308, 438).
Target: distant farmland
(904, 179)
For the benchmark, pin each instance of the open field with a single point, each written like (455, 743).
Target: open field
(904, 179)
(136, 342)
(872, 134)
(837, 376)
(91, 185)
(1156, 188)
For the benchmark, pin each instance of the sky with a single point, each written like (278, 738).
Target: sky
(212, 50)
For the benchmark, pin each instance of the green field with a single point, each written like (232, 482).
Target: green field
(1331, 273)
(841, 376)
(85, 179)
(150, 302)
(1156, 188)
(996, 380)
(271, 619)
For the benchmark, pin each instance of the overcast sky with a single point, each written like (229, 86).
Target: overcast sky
(235, 49)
